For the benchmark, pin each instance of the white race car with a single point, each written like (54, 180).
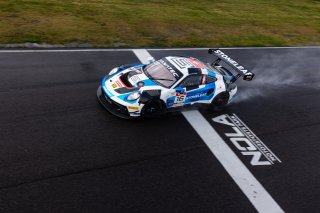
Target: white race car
(143, 90)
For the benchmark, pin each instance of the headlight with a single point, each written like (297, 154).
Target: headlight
(114, 70)
(133, 96)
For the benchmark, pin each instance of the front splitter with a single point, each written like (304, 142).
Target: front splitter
(111, 107)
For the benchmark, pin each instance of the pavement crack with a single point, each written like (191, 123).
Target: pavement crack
(189, 149)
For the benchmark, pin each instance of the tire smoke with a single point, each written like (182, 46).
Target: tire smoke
(274, 72)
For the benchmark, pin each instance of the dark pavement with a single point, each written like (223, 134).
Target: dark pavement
(60, 151)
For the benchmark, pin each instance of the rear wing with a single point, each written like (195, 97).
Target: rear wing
(248, 76)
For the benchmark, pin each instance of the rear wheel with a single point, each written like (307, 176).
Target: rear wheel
(220, 101)
(153, 108)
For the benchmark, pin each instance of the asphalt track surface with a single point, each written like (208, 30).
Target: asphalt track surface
(60, 151)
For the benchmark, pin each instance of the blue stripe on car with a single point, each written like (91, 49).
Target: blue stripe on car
(170, 101)
(200, 94)
(103, 85)
(124, 98)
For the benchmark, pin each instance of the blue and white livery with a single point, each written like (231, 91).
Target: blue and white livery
(142, 90)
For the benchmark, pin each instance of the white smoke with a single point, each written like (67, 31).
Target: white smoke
(274, 72)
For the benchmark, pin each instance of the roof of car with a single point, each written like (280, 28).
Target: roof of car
(182, 63)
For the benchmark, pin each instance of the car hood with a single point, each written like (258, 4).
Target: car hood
(127, 81)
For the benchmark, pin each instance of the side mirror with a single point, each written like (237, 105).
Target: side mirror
(179, 90)
(248, 76)
(150, 60)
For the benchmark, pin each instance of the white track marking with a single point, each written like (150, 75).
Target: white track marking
(142, 55)
(256, 137)
(152, 49)
(249, 185)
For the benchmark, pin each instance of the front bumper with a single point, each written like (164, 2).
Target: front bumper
(112, 106)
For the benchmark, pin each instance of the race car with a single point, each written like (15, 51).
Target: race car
(144, 90)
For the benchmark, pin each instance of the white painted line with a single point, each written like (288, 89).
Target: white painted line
(142, 55)
(152, 49)
(250, 186)
(269, 150)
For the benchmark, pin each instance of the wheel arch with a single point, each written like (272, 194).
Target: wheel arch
(150, 95)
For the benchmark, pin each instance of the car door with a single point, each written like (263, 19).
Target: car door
(190, 89)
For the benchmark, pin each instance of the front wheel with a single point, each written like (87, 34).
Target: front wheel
(152, 109)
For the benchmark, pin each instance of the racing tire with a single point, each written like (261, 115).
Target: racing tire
(220, 102)
(153, 108)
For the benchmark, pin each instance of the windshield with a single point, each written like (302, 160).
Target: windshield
(160, 74)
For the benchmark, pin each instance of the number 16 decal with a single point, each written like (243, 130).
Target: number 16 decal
(180, 97)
